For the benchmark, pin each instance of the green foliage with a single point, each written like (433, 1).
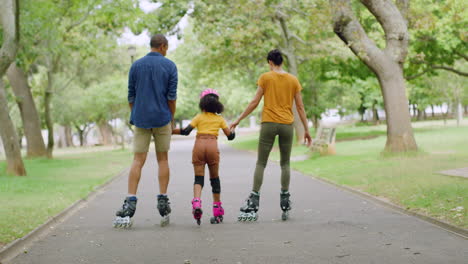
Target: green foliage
(165, 18)
(439, 36)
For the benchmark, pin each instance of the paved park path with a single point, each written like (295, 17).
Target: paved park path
(327, 225)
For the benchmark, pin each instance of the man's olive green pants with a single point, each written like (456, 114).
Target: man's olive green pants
(268, 133)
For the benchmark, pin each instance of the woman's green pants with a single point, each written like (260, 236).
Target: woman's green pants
(268, 133)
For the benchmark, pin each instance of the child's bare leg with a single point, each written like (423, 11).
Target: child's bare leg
(215, 183)
(199, 179)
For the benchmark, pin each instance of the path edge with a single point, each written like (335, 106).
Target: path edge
(461, 232)
(21, 245)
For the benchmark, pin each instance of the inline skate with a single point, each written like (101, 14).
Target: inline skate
(197, 209)
(164, 209)
(285, 204)
(218, 213)
(248, 212)
(125, 214)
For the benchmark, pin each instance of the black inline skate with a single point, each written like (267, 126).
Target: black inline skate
(285, 204)
(248, 212)
(164, 209)
(125, 214)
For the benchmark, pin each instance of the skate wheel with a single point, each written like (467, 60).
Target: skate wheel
(165, 221)
(122, 222)
(285, 215)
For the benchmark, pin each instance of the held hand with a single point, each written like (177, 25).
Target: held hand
(307, 139)
(233, 125)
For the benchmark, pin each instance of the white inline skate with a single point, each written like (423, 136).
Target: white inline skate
(248, 212)
(125, 214)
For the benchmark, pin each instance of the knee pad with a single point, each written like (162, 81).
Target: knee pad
(215, 185)
(200, 180)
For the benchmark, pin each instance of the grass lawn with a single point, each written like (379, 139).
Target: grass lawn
(51, 186)
(410, 181)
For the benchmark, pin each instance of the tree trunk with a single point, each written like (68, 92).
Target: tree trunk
(10, 138)
(19, 132)
(289, 51)
(62, 142)
(387, 64)
(29, 114)
(433, 113)
(399, 132)
(459, 112)
(9, 21)
(315, 121)
(48, 114)
(106, 133)
(420, 114)
(80, 135)
(315, 115)
(68, 137)
(375, 114)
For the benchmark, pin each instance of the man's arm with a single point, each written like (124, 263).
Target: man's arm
(172, 107)
(131, 87)
(172, 91)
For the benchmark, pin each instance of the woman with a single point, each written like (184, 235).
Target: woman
(280, 90)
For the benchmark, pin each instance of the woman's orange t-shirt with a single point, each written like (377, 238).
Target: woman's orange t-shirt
(279, 90)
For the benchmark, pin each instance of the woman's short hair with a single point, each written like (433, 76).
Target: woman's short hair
(275, 56)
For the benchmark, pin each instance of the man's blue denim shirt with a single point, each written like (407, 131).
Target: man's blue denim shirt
(152, 81)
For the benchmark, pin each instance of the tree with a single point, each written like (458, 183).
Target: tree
(10, 26)
(438, 29)
(387, 63)
(70, 26)
(29, 114)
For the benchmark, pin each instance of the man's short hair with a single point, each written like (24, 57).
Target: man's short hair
(275, 56)
(158, 40)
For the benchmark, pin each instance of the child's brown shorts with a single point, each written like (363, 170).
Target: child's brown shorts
(205, 150)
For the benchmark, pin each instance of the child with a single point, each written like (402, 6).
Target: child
(205, 151)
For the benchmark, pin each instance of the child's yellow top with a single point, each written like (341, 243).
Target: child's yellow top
(208, 123)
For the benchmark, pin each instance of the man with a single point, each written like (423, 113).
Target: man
(152, 93)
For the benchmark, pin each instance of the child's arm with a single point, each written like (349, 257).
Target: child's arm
(229, 134)
(184, 132)
(176, 131)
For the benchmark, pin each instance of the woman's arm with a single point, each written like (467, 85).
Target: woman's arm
(302, 115)
(253, 104)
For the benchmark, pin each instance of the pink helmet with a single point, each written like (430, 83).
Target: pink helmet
(209, 91)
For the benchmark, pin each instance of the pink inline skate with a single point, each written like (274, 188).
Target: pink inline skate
(218, 213)
(197, 209)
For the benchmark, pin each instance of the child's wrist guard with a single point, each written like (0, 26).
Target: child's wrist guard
(231, 136)
(186, 131)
